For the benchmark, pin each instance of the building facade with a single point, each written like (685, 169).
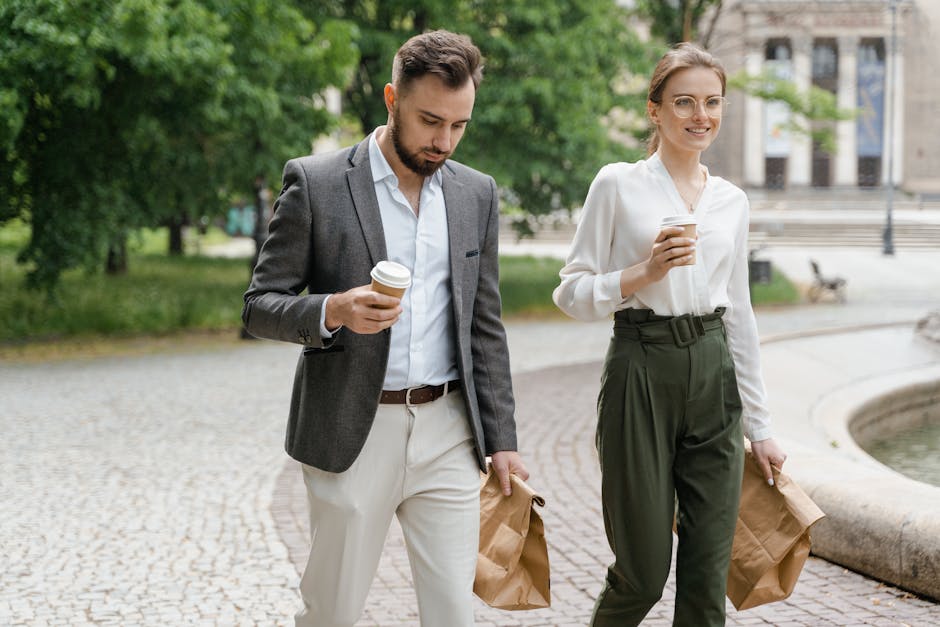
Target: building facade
(844, 47)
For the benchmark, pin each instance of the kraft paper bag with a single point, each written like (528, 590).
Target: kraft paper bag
(512, 566)
(771, 541)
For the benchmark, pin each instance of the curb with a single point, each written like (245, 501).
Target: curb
(878, 522)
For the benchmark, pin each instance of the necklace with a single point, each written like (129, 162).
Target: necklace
(698, 195)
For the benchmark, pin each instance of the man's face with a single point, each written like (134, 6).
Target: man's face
(427, 121)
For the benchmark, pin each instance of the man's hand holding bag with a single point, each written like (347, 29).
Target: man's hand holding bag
(512, 565)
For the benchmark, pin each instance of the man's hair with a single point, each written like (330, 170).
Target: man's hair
(451, 57)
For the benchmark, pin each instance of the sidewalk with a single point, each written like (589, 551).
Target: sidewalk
(556, 423)
(153, 490)
(556, 385)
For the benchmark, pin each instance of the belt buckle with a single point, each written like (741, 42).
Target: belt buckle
(684, 331)
(408, 392)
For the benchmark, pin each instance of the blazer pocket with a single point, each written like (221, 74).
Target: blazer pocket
(312, 350)
(472, 253)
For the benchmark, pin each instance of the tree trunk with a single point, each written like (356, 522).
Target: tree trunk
(117, 258)
(261, 212)
(706, 41)
(175, 226)
(259, 235)
(687, 21)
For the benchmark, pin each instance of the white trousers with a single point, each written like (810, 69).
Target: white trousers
(418, 463)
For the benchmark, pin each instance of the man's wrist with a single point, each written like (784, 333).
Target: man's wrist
(326, 321)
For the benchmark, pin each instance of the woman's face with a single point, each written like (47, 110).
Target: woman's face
(692, 92)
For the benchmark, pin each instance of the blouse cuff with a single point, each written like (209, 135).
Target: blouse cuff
(610, 289)
(759, 433)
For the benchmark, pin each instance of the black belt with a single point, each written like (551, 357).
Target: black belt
(418, 395)
(681, 330)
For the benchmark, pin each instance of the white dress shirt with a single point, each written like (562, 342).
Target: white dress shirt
(619, 222)
(423, 350)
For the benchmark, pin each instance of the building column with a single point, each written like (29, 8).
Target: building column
(896, 65)
(894, 99)
(754, 119)
(801, 153)
(846, 156)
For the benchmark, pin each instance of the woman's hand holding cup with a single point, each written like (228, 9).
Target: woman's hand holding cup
(674, 246)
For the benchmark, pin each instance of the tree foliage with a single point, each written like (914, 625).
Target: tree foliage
(553, 71)
(675, 21)
(812, 105)
(121, 114)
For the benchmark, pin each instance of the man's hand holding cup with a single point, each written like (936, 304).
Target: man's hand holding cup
(370, 308)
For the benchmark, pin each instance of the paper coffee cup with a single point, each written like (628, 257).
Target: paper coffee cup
(390, 278)
(688, 224)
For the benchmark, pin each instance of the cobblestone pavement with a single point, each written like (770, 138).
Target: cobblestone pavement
(153, 490)
(138, 491)
(556, 424)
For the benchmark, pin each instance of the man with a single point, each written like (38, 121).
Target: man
(396, 403)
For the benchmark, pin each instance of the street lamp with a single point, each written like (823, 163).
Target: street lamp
(888, 234)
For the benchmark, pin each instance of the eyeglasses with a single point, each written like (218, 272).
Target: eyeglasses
(685, 106)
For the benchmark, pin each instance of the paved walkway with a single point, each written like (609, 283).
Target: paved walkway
(153, 490)
(556, 422)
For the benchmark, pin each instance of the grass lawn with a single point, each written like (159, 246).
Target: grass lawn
(780, 291)
(164, 295)
(159, 295)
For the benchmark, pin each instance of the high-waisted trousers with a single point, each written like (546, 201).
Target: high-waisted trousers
(671, 449)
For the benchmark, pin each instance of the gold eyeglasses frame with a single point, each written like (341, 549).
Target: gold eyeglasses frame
(710, 112)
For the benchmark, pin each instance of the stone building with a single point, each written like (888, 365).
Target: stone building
(844, 46)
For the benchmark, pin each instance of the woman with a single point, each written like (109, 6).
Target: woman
(682, 374)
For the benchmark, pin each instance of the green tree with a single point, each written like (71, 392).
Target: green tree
(129, 113)
(554, 70)
(814, 105)
(675, 21)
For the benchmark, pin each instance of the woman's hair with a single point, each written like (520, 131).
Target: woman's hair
(451, 57)
(681, 57)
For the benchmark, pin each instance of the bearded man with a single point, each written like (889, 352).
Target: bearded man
(396, 402)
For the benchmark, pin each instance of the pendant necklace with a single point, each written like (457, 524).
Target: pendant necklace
(698, 195)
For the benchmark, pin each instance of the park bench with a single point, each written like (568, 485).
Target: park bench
(825, 285)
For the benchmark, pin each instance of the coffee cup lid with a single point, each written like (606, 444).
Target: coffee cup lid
(678, 220)
(391, 274)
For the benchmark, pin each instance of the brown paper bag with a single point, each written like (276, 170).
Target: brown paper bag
(771, 541)
(512, 566)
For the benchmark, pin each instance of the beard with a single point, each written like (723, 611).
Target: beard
(413, 161)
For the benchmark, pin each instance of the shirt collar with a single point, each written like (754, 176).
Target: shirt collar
(656, 162)
(381, 170)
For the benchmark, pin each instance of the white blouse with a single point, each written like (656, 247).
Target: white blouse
(619, 222)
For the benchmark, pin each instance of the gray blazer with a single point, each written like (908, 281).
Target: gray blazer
(325, 237)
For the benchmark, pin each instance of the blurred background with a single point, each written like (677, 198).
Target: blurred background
(142, 140)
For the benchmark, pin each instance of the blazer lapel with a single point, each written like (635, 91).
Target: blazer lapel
(461, 224)
(362, 191)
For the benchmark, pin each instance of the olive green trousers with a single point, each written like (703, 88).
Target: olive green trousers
(671, 448)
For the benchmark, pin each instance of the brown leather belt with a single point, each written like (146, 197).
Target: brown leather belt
(418, 395)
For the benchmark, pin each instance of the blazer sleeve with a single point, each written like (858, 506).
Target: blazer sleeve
(488, 344)
(274, 307)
